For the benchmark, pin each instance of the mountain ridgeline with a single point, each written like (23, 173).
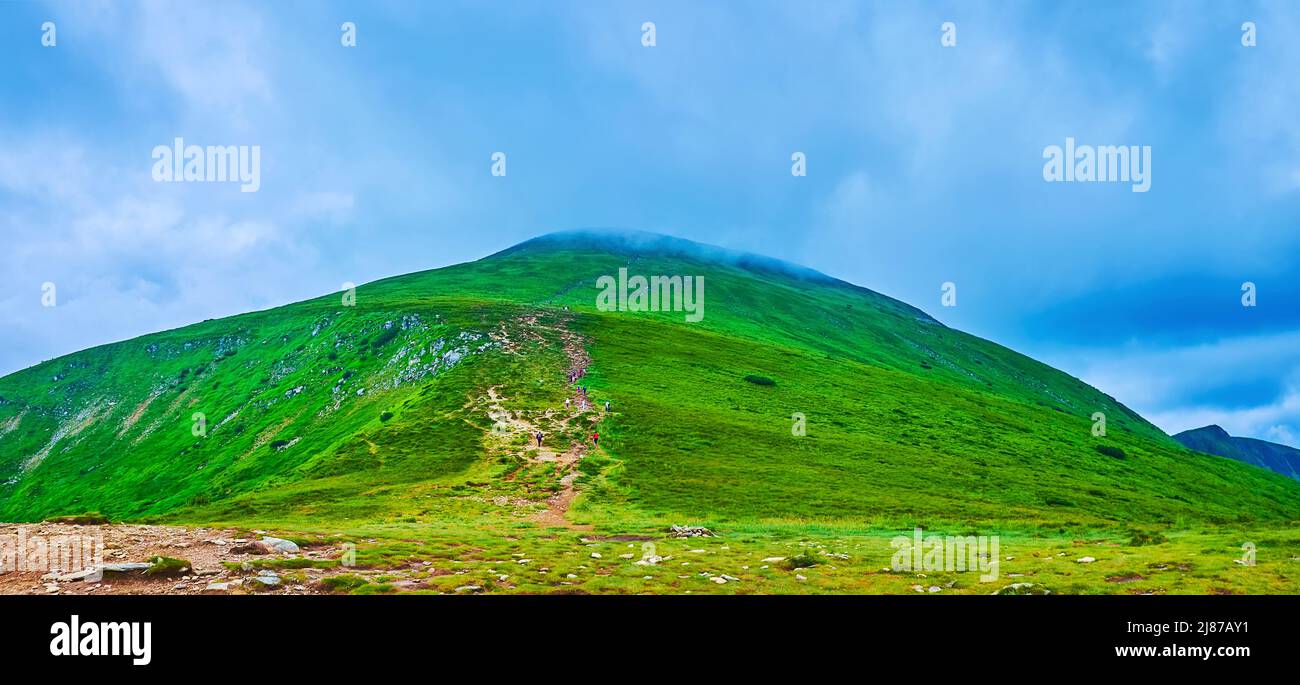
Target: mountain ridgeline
(321, 412)
(1262, 453)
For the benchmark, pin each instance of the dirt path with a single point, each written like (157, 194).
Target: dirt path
(509, 425)
(557, 507)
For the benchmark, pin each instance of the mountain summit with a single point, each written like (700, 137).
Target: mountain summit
(796, 397)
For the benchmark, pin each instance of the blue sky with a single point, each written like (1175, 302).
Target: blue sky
(924, 164)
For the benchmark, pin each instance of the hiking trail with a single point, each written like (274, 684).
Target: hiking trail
(508, 425)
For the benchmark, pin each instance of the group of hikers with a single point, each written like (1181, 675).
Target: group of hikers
(573, 378)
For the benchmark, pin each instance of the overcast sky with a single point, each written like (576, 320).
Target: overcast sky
(924, 164)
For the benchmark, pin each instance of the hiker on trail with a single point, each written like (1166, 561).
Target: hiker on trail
(566, 402)
(595, 438)
(606, 405)
(584, 405)
(539, 438)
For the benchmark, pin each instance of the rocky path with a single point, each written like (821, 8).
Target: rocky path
(558, 505)
(58, 554)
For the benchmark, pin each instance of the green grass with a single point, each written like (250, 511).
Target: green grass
(168, 567)
(908, 423)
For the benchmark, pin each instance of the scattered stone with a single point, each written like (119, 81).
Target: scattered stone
(595, 555)
(125, 568)
(282, 545)
(84, 574)
(267, 577)
(719, 580)
(773, 560)
(1022, 589)
(691, 532)
(1085, 560)
(469, 588)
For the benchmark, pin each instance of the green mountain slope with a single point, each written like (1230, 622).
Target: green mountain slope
(1272, 456)
(319, 412)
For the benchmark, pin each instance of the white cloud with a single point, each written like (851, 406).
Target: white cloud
(214, 55)
(130, 256)
(1158, 382)
(1282, 434)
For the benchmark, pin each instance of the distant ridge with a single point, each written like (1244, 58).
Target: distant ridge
(1269, 455)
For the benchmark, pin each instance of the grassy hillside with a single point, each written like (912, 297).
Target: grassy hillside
(906, 419)
(410, 414)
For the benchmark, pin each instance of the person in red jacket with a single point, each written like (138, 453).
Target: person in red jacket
(595, 438)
